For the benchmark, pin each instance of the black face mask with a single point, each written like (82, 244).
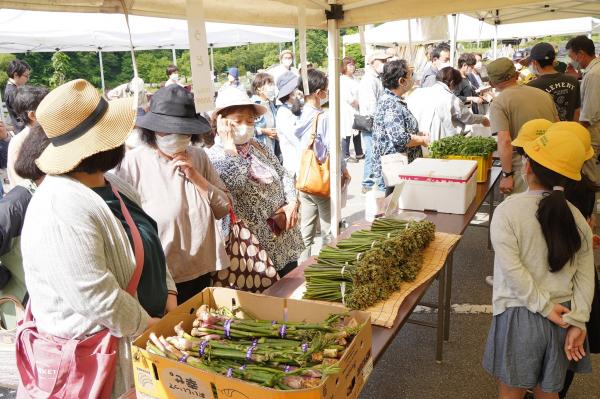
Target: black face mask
(296, 107)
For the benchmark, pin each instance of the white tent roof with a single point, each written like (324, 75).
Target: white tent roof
(425, 30)
(22, 31)
(356, 12)
(548, 28)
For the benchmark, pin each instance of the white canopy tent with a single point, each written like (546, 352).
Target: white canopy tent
(324, 14)
(569, 26)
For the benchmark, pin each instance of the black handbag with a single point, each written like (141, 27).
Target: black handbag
(593, 325)
(363, 123)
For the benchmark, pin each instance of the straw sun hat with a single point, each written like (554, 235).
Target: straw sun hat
(234, 97)
(79, 124)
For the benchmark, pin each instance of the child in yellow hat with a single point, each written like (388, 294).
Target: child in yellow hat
(543, 274)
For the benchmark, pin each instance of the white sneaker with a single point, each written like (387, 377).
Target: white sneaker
(489, 280)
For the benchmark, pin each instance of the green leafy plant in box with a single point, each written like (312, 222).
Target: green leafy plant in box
(462, 146)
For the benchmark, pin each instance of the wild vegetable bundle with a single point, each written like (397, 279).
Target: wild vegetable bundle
(463, 146)
(284, 355)
(370, 265)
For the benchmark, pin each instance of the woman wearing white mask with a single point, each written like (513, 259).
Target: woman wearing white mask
(179, 188)
(258, 183)
(172, 76)
(264, 93)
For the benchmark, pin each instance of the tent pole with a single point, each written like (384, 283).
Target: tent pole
(101, 71)
(410, 52)
(454, 35)
(495, 41)
(343, 51)
(212, 58)
(294, 49)
(174, 57)
(333, 62)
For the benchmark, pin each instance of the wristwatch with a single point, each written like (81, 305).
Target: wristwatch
(507, 174)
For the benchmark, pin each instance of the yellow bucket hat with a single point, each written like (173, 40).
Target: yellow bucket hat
(531, 131)
(576, 129)
(560, 151)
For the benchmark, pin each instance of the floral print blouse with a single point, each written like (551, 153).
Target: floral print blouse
(393, 126)
(255, 202)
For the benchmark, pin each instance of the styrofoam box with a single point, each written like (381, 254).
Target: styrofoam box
(442, 185)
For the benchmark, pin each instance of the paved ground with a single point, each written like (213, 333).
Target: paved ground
(408, 369)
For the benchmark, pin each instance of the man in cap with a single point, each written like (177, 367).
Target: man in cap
(369, 91)
(563, 88)
(515, 105)
(583, 56)
(440, 58)
(286, 62)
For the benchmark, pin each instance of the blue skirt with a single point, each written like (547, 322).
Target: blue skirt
(525, 349)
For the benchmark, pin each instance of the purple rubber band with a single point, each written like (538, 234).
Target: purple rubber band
(255, 343)
(304, 347)
(273, 322)
(282, 331)
(183, 358)
(203, 346)
(286, 369)
(249, 352)
(243, 367)
(229, 372)
(227, 327)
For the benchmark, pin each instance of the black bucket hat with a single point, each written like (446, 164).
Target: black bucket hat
(172, 111)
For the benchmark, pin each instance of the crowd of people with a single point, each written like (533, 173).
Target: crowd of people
(86, 214)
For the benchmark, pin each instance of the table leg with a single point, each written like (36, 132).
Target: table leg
(448, 301)
(440, 316)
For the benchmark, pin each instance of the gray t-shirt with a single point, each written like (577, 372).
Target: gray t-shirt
(565, 91)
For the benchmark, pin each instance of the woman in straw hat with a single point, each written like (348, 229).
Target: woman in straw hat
(543, 274)
(259, 185)
(77, 255)
(179, 188)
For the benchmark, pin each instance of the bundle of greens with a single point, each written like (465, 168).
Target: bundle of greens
(283, 355)
(370, 265)
(462, 146)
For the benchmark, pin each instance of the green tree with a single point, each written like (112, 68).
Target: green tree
(5, 59)
(61, 64)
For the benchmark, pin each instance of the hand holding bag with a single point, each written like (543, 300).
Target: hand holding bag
(313, 176)
(53, 367)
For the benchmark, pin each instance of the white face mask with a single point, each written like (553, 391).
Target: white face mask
(172, 144)
(444, 65)
(270, 92)
(379, 68)
(287, 62)
(478, 66)
(243, 134)
(174, 77)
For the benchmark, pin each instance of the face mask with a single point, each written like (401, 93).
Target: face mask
(174, 77)
(287, 62)
(326, 99)
(444, 65)
(478, 66)
(243, 134)
(270, 92)
(379, 68)
(575, 64)
(172, 144)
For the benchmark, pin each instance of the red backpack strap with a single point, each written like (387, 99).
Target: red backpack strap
(138, 246)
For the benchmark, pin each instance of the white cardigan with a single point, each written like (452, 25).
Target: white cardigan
(78, 261)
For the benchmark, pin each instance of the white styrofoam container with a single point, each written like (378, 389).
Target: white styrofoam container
(442, 185)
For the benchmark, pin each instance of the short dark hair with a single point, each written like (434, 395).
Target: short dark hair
(260, 80)
(545, 63)
(393, 71)
(347, 61)
(33, 145)
(467, 58)
(102, 161)
(17, 67)
(437, 50)
(317, 80)
(27, 98)
(149, 137)
(172, 69)
(449, 76)
(582, 43)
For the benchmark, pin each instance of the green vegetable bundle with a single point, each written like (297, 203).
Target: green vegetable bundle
(462, 146)
(370, 265)
(283, 355)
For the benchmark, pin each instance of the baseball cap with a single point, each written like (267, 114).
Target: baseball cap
(559, 151)
(530, 131)
(542, 51)
(234, 72)
(500, 70)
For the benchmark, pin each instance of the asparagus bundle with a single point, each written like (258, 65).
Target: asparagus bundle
(370, 265)
(283, 355)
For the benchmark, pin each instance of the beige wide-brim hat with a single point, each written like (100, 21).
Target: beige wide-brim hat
(234, 97)
(79, 124)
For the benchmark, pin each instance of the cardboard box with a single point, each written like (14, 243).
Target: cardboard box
(158, 377)
(441, 185)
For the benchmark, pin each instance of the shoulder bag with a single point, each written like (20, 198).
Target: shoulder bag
(313, 176)
(53, 367)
